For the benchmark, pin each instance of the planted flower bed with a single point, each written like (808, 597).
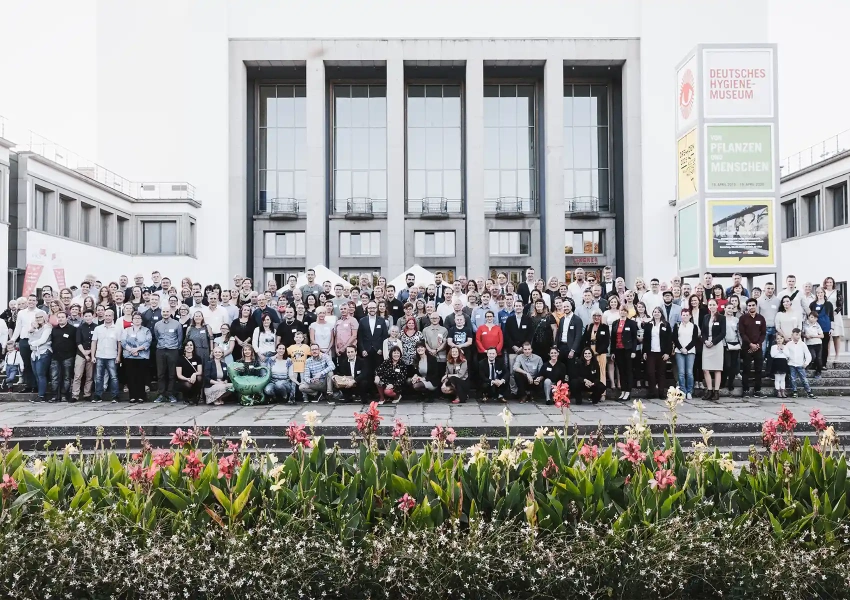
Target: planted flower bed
(555, 516)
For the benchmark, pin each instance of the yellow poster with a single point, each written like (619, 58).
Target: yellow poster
(741, 234)
(687, 158)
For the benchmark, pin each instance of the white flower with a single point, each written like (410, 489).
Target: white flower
(508, 456)
(727, 464)
(273, 458)
(706, 434)
(521, 442)
(246, 437)
(507, 416)
(637, 405)
(275, 472)
(311, 418)
(71, 449)
(540, 433)
(275, 487)
(38, 467)
(476, 453)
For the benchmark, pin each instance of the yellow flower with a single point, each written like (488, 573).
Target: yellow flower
(727, 464)
(275, 487)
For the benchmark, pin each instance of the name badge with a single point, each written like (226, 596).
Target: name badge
(525, 326)
(377, 326)
(572, 326)
(156, 318)
(64, 335)
(398, 370)
(132, 335)
(549, 369)
(758, 322)
(600, 333)
(170, 331)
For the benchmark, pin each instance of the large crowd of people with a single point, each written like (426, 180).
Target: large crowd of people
(487, 339)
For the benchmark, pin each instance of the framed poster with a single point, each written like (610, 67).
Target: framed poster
(741, 233)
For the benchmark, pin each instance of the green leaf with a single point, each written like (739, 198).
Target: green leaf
(24, 498)
(177, 499)
(76, 476)
(222, 499)
(403, 486)
(241, 500)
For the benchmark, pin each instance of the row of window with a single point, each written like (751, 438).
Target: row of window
(78, 220)
(431, 243)
(810, 213)
(434, 146)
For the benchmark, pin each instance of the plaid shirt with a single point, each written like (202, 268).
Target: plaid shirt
(318, 368)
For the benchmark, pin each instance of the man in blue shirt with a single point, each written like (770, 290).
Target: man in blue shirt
(168, 335)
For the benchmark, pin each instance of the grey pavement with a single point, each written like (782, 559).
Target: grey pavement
(472, 414)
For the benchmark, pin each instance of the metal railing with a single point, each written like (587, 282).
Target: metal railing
(512, 205)
(280, 206)
(434, 207)
(583, 204)
(362, 207)
(153, 190)
(813, 155)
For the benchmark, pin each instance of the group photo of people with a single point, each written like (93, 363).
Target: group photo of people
(426, 339)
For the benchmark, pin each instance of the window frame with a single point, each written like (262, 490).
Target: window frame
(599, 242)
(146, 220)
(521, 232)
(809, 199)
(349, 233)
(610, 126)
(44, 212)
(535, 155)
(276, 233)
(427, 232)
(332, 200)
(786, 205)
(829, 190)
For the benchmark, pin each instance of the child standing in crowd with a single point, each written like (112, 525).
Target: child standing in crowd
(798, 359)
(813, 334)
(779, 365)
(14, 366)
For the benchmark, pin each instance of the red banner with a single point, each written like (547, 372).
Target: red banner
(31, 278)
(59, 273)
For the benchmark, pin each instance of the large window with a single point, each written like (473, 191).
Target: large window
(123, 233)
(360, 148)
(44, 210)
(363, 243)
(282, 155)
(434, 243)
(811, 203)
(789, 214)
(509, 148)
(105, 222)
(67, 206)
(434, 149)
(87, 226)
(583, 242)
(586, 167)
(159, 237)
(510, 243)
(290, 243)
(839, 204)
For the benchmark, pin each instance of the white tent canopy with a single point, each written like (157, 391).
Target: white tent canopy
(423, 277)
(323, 274)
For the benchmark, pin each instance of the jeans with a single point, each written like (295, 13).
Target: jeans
(61, 374)
(769, 339)
(26, 355)
(40, 367)
(280, 389)
(105, 368)
(793, 373)
(11, 373)
(685, 366)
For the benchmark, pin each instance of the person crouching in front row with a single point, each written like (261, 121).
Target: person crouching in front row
(351, 378)
(587, 381)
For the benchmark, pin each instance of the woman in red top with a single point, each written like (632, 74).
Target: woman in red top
(489, 335)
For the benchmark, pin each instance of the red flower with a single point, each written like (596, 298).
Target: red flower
(184, 438)
(631, 451)
(663, 479)
(368, 422)
(140, 474)
(399, 430)
(206, 432)
(550, 470)
(785, 420)
(194, 465)
(227, 465)
(406, 503)
(768, 433)
(233, 446)
(9, 483)
(817, 420)
(163, 459)
(662, 456)
(297, 435)
(561, 395)
(588, 452)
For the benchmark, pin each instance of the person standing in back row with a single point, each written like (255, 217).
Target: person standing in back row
(752, 328)
(64, 341)
(169, 336)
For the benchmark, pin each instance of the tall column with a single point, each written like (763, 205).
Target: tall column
(553, 134)
(317, 201)
(476, 227)
(394, 251)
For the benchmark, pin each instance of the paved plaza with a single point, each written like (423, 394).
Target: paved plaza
(469, 415)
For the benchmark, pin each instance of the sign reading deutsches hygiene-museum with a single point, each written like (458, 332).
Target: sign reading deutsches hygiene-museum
(739, 158)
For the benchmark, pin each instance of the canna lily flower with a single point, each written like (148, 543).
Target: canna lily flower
(589, 452)
(245, 435)
(727, 464)
(368, 422)
(817, 420)
(631, 452)
(561, 395)
(276, 471)
(661, 457)
(297, 435)
(663, 479)
(399, 430)
(194, 465)
(706, 434)
(9, 483)
(276, 487)
(71, 449)
(540, 433)
(550, 470)
(406, 503)
(163, 459)
(227, 465)
(311, 418)
(507, 416)
(786, 421)
(442, 434)
(38, 467)
(6, 433)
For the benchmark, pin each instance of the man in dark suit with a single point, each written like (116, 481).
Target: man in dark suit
(371, 333)
(526, 286)
(607, 283)
(516, 331)
(492, 378)
(438, 281)
(568, 337)
(357, 379)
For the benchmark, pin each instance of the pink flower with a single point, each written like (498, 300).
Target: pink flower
(778, 444)
(233, 446)
(785, 420)
(663, 479)
(589, 452)
(9, 483)
(817, 420)
(163, 459)
(661, 457)
(561, 395)
(628, 480)
(406, 503)
(6, 433)
(631, 452)
(368, 422)
(550, 470)
(768, 433)
(227, 465)
(140, 474)
(184, 438)
(297, 435)
(400, 429)
(443, 434)
(194, 465)
(206, 432)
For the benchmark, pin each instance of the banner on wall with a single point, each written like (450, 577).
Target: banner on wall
(687, 182)
(741, 233)
(739, 158)
(738, 82)
(31, 277)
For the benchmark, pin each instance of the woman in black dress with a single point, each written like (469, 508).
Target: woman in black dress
(242, 330)
(541, 329)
